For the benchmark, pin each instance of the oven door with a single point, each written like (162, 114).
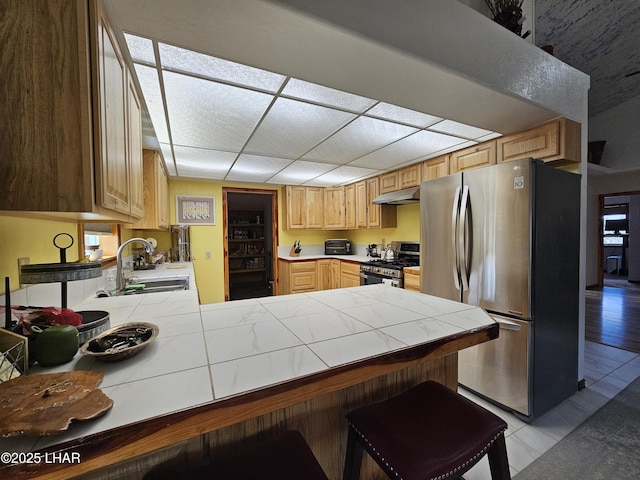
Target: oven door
(373, 278)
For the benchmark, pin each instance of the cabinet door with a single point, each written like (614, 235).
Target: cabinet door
(296, 207)
(304, 277)
(435, 168)
(389, 182)
(350, 204)
(362, 204)
(335, 273)
(410, 176)
(477, 156)
(557, 141)
(112, 166)
(324, 274)
(349, 274)
(134, 152)
(334, 208)
(373, 211)
(163, 196)
(315, 207)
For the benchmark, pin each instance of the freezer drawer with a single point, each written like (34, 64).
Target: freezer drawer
(501, 369)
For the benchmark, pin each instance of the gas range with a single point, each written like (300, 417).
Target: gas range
(390, 271)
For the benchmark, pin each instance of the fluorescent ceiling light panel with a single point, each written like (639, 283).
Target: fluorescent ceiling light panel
(182, 60)
(342, 176)
(256, 168)
(165, 148)
(326, 96)
(150, 85)
(140, 48)
(414, 147)
(292, 128)
(459, 129)
(360, 137)
(402, 115)
(211, 115)
(199, 162)
(300, 171)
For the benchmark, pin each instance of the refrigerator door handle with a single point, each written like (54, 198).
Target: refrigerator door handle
(463, 239)
(455, 212)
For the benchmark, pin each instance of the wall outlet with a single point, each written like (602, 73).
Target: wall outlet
(207, 254)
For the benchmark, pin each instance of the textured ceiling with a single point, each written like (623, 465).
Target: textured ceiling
(599, 38)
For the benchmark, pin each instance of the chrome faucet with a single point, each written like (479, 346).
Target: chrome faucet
(120, 282)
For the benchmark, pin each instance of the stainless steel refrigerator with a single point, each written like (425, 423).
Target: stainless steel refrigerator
(506, 238)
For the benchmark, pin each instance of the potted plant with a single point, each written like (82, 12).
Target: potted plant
(508, 13)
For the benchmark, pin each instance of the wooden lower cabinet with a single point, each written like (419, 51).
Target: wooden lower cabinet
(349, 274)
(411, 279)
(328, 274)
(297, 277)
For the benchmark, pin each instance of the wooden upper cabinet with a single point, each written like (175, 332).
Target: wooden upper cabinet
(435, 168)
(315, 207)
(362, 204)
(409, 176)
(334, 208)
(389, 182)
(473, 157)
(305, 207)
(134, 151)
(350, 205)
(156, 194)
(69, 103)
(379, 216)
(555, 142)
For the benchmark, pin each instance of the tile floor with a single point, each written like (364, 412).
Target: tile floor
(608, 370)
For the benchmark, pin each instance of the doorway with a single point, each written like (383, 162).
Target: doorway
(250, 222)
(616, 250)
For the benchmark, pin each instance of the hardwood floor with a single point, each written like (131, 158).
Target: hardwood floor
(612, 317)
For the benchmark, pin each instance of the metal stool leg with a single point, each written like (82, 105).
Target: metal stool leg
(353, 457)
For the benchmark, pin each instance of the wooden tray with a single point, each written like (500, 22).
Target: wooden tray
(45, 404)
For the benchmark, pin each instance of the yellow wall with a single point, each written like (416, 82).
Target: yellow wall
(28, 237)
(21, 237)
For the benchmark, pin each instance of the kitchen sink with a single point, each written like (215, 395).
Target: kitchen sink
(159, 284)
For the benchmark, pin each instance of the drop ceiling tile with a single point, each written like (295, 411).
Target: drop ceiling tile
(360, 137)
(150, 85)
(292, 128)
(414, 147)
(326, 96)
(300, 171)
(256, 168)
(179, 59)
(211, 115)
(199, 162)
(387, 111)
(140, 49)
(341, 176)
(488, 137)
(459, 129)
(167, 154)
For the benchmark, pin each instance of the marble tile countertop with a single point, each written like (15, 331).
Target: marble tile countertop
(205, 353)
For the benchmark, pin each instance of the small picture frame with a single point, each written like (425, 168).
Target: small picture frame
(194, 210)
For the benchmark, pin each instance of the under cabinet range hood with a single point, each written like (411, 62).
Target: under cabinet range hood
(401, 197)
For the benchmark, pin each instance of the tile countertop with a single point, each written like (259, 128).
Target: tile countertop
(205, 353)
(311, 256)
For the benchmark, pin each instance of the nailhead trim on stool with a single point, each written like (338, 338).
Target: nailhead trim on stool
(426, 433)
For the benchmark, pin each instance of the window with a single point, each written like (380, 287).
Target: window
(615, 225)
(104, 236)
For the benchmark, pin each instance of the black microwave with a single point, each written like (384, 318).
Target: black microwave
(337, 246)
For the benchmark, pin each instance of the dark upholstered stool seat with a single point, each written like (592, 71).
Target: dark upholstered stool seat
(427, 432)
(287, 457)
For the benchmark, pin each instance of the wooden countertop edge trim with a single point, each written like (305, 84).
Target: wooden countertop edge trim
(122, 443)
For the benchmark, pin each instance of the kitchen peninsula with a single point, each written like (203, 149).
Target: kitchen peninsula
(224, 374)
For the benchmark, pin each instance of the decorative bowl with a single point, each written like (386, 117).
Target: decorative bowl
(121, 342)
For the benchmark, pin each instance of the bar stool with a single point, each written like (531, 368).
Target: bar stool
(287, 457)
(427, 432)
